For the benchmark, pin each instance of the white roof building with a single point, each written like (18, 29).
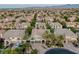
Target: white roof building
(22, 25)
(55, 25)
(40, 25)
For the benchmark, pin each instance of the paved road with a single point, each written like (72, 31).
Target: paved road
(71, 47)
(42, 48)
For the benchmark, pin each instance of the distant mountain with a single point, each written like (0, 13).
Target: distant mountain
(58, 6)
(67, 6)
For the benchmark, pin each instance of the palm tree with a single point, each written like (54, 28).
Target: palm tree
(59, 41)
(51, 39)
(35, 51)
(46, 35)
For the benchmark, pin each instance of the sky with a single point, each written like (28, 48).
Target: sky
(25, 5)
(39, 5)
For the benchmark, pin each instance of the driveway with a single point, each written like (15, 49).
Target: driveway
(40, 47)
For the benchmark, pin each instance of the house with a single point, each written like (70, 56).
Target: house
(13, 36)
(49, 19)
(1, 33)
(66, 33)
(77, 25)
(40, 25)
(8, 25)
(23, 25)
(8, 19)
(37, 35)
(29, 18)
(61, 20)
(40, 18)
(72, 18)
(73, 24)
(55, 25)
(1, 25)
(70, 24)
(1, 38)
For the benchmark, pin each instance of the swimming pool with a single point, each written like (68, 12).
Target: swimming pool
(59, 51)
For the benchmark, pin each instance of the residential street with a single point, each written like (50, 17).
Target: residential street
(71, 47)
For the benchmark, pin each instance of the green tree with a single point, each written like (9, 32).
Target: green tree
(59, 41)
(34, 21)
(66, 18)
(9, 51)
(11, 15)
(35, 51)
(27, 33)
(28, 30)
(64, 24)
(1, 45)
(77, 20)
(48, 26)
(24, 47)
(52, 30)
(73, 29)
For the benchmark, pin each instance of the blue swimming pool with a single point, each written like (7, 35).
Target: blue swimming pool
(59, 51)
